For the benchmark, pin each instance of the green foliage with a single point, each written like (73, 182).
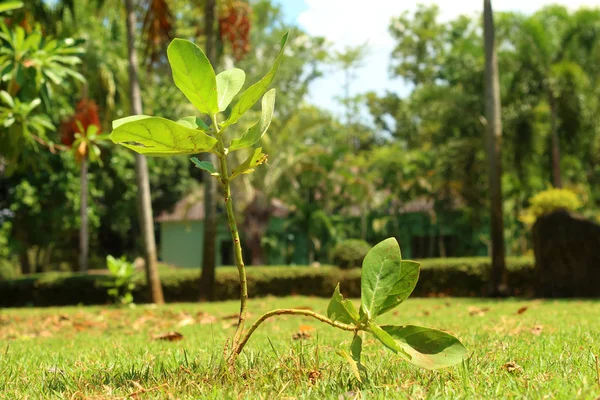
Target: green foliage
(194, 76)
(387, 281)
(382, 268)
(254, 92)
(341, 309)
(35, 70)
(256, 132)
(461, 277)
(10, 5)
(229, 83)
(426, 348)
(154, 136)
(254, 160)
(8, 269)
(349, 253)
(407, 280)
(88, 141)
(121, 285)
(205, 166)
(549, 201)
(22, 126)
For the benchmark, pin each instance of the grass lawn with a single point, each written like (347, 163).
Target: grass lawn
(519, 349)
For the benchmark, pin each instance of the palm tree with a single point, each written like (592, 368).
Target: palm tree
(546, 36)
(141, 168)
(494, 134)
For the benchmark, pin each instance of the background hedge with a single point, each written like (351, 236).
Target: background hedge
(439, 277)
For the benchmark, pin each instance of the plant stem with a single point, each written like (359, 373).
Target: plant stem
(235, 236)
(240, 346)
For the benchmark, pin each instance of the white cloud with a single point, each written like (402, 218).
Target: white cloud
(353, 22)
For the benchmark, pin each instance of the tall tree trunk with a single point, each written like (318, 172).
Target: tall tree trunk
(556, 173)
(364, 221)
(351, 143)
(84, 234)
(141, 169)
(257, 254)
(494, 136)
(24, 261)
(207, 278)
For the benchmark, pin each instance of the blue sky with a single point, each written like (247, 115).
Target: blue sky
(353, 22)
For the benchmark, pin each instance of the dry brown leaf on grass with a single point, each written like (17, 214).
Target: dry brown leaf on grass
(83, 325)
(305, 328)
(169, 336)
(301, 335)
(313, 376)
(230, 324)
(142, 390)
(522, 310)
(189, 320)
(480, 312)
(512, 367)
(138, 323)
(207, 319)
(537, 330)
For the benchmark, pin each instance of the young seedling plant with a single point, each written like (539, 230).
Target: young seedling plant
(386, 281)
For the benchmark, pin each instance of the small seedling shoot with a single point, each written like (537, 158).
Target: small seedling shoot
(387, 280)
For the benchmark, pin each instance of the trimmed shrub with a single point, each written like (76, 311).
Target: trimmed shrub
(350, 253)
(439, 277)
(549, 201)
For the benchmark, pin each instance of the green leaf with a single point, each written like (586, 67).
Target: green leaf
(156, 136)
(229, 83)
(7, 99)
(194, 122)
(194, 75)
(356, 348)
(340, 309)
(381, 271)
(205, 166)
(256, 158)
(254, 92)
(386, 339)
(10, 5)
(409, 276)
(428, 348)
(353, 364)
(253, 135)
(118, 122)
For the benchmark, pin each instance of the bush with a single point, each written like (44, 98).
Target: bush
(439, 277)
(350, 253)
(8, 269)
(549, 201)
(121, 286)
